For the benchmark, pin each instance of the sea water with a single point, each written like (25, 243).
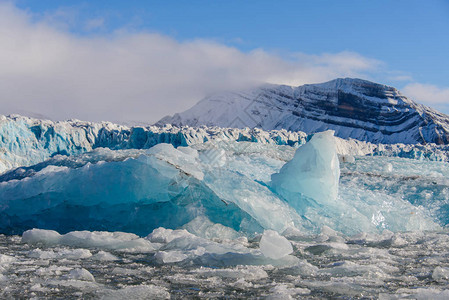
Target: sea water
(411, 265)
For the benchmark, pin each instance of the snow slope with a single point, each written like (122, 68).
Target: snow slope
(353, 108)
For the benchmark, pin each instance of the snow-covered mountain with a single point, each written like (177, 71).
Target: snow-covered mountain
(354, 108)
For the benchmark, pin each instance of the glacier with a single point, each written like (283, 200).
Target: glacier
(99, 210)
(28, 141)
(246, 187)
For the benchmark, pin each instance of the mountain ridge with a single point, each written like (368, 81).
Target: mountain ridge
(354, 108)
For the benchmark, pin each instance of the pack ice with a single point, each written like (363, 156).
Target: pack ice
(240, 188)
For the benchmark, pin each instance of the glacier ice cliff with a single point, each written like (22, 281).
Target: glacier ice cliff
(26, 141)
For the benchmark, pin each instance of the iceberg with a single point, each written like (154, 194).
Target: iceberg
(225, 189)
(134, 194)
(314, 172)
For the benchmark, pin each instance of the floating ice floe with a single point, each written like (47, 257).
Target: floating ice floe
(165, 245)
(120, 241)
(182, 264)
(274, 246)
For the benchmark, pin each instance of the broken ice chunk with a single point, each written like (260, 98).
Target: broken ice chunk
(170, 256)
(104, 256)
(81, 274)
(388, 168)
(440, 274)
(201, 226)
(346, 158)
(164, 235)
(313, 172)
(35, 235)
(274, 246)
(120, 241)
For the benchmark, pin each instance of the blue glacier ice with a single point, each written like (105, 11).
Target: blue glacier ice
(135, 194)
(219, 210)
(241, 188)
(313, 173)
(26, 141)
(75, 175)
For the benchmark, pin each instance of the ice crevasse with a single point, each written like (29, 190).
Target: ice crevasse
(240, 188)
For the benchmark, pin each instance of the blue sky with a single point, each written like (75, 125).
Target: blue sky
(400, 43)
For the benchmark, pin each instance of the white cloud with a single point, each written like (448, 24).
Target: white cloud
(137, 76)
(400, 77)
(428, 94)
(94, 24)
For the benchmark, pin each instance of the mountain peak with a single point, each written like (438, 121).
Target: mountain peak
(352, 107)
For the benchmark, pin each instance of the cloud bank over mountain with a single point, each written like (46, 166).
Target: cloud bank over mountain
(429, 94)
(129, 75)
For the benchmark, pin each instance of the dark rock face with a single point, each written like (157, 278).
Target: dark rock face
(354, 108)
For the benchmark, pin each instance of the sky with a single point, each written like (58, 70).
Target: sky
(137, 61)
